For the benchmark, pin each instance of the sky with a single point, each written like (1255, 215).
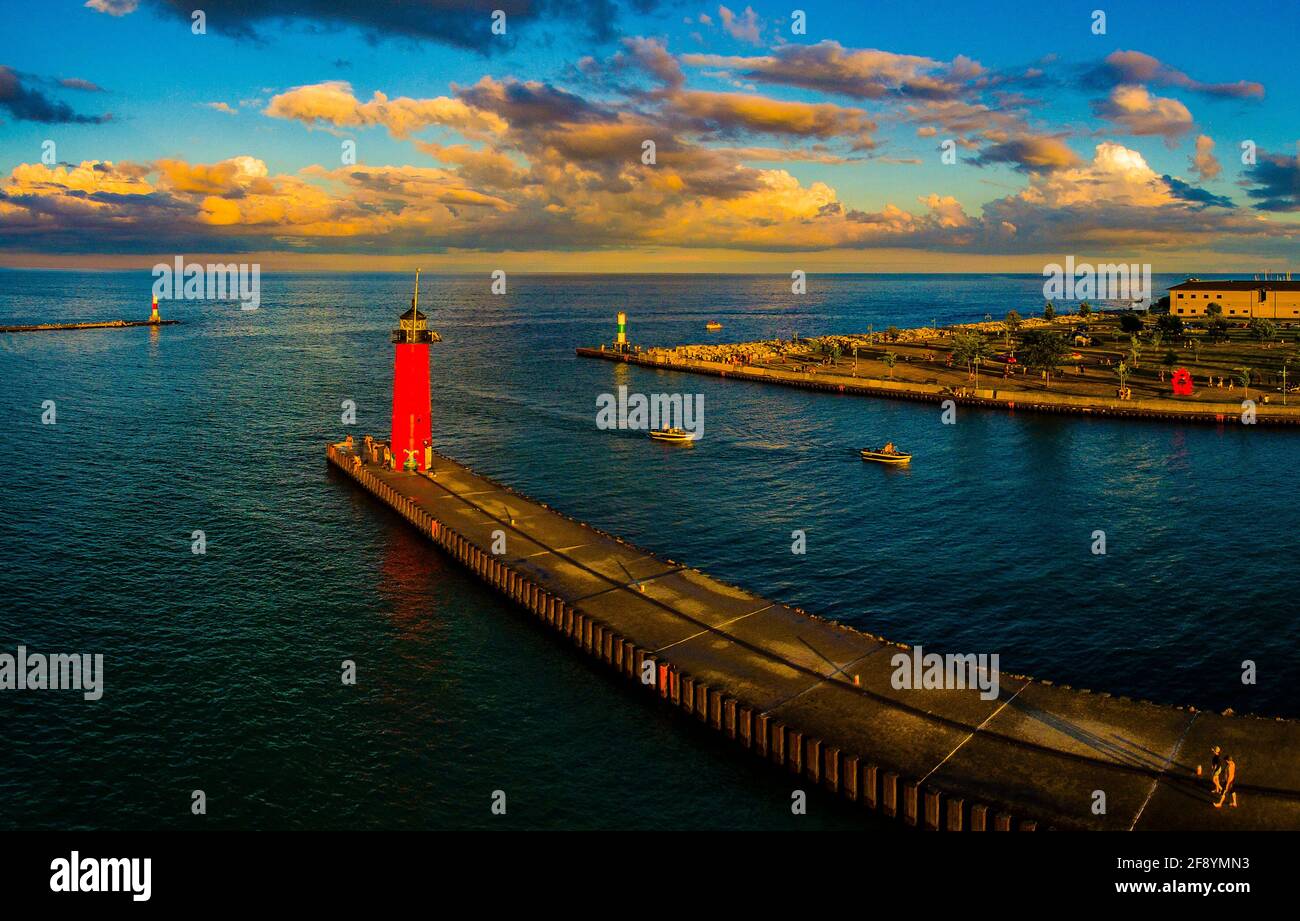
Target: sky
(599, 136)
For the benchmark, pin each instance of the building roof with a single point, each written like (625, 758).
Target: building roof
(1270, 285)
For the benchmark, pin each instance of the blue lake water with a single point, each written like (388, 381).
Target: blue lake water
(222, 670)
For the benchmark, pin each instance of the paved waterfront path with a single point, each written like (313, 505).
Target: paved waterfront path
(816, 697)
(994, 394)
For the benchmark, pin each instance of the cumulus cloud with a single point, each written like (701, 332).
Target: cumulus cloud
(1204, 163)
(1197, 196)
(860, 73)
(1030, 154)
(1274, 182)
(1116, 175)
(1138, 112)
(743, 27)
(451, 22)
(333, 104)
(1130, 67)
(651, 55)
(25, 103)
(1117, 202)
(76, 83)
(745, 112)
(113, 7)
(959, 117)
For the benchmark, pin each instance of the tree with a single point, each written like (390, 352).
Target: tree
(1214, 310)
(970, 349)
(1218, 329)
(1012, 323)
(1171, 325)
(1121, 370)
(1049, 312)
(1130, 322)
(892, 333)
(1171, 359)
(1085, 309)
(1196, 350)
(1243, 377)
(1044, 351)
(1134, 351)
(890, 360)
(1263, 330)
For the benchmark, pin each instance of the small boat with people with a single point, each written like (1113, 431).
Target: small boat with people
(713, 325)
(672, 435)
(886, 455)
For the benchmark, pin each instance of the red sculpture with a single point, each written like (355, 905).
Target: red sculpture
(1182, 382)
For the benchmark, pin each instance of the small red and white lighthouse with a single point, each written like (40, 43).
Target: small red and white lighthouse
(153, 315)
(412, 426)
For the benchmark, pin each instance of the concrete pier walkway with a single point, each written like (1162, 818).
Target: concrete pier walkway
(816, 698)
(995, 397)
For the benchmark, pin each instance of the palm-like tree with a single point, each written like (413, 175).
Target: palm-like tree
(890, 360)
(1243, 378)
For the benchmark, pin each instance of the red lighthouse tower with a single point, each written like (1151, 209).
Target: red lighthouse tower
(412, 428)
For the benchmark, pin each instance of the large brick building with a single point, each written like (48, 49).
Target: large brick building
(1275, 300)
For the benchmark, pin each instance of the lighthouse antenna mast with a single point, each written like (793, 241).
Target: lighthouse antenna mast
(415, 304)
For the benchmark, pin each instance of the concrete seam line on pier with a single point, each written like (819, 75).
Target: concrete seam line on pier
(838, 670)
(987, 720)
(617, 586)
(1178, 746)
(725, 623)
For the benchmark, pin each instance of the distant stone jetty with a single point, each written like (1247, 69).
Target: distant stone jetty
(106, 324)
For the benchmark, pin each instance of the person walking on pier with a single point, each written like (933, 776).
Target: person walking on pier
(1229, 782)
(1216, 768)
